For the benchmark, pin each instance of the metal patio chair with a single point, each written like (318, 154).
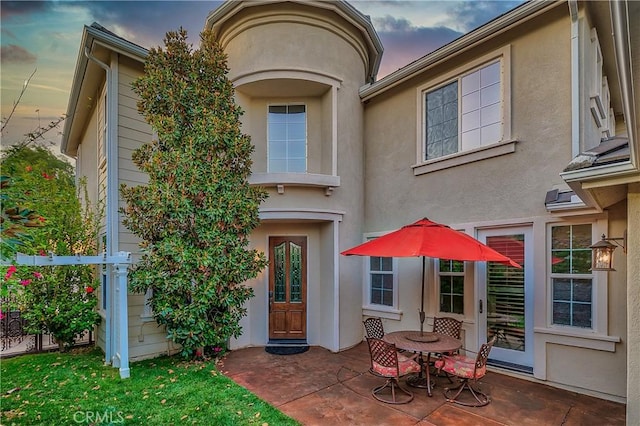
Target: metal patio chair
(447, 325)
(387, 363)
(450, 327)
(374, 328)
(468, 370)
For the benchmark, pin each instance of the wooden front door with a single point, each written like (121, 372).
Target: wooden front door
(287, 287)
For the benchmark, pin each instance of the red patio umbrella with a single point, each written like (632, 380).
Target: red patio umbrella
(427, 238)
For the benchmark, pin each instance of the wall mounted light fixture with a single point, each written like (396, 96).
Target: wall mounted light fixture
(602, 252)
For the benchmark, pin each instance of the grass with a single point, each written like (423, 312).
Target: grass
(77, 388)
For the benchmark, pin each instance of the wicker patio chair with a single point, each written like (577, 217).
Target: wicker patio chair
(469, 371)
(387, 363)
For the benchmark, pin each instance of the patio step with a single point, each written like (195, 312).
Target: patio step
(510, 366)
(287, 342)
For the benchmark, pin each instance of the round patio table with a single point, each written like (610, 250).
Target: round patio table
(425, 343)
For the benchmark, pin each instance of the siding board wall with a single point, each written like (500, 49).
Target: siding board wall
(146, 338)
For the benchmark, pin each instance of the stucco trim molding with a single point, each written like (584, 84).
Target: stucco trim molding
(282, 180)
(301, 214)
(465, 157)
(289, 74)
(372, 311)
(599, 342)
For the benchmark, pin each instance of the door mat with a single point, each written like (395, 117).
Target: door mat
(286, 349)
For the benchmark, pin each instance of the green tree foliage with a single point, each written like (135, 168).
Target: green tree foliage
(14, 219)
(55, 299)
(24, 172)
(198, 210)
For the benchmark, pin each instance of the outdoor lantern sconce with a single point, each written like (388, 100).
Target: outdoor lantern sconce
(602, 259)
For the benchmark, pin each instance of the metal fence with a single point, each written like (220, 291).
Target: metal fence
(14, 340)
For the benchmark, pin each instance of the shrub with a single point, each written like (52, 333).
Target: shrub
(198, 210)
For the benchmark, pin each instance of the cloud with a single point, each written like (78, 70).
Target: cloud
(440, 23)
(469, 15)
(50, 88)
(22, 9)
(14, 54)
(147, 22)
(404, 43)
(388, 23)
(7, 33)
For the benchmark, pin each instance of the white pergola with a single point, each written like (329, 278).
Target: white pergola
(117, 346)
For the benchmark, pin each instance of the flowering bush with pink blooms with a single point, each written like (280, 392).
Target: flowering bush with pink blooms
(10, 286)
(53, 299)
(59, 300)
(62, 302)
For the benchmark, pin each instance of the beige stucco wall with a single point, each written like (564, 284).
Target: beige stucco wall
(319, 284)
(504, 190)
(325, 61)
(600, 369)
(324, 41)
(505, 187)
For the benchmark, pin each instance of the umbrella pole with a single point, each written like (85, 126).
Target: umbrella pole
(422, 299)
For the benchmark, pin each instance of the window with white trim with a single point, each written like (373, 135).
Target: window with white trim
(572, 288)
(451, 280)
(464, 113)
(599, 94)
(287, 139)
(381, 279)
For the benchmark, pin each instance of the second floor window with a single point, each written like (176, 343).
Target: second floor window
(465, 113)
(287, 135)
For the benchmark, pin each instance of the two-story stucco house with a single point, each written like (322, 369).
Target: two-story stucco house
(523, 133)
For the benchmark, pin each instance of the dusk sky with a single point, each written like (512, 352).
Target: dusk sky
(46, 36)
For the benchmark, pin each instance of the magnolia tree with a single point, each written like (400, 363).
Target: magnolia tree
(196, 213)
(59, 300)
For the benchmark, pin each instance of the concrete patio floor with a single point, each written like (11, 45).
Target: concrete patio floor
(319, 387)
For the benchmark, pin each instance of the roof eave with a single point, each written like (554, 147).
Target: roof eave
(219, 15)
(621, 168)
(495, 27)
(91, 36)
(78, 76)
(585, 181)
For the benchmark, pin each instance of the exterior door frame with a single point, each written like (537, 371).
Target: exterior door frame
(272, 306)
(522, 358)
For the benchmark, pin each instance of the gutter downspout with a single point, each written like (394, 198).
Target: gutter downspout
(575, 79)
(622, 50)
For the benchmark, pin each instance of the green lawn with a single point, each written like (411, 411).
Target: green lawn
(77, 388)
